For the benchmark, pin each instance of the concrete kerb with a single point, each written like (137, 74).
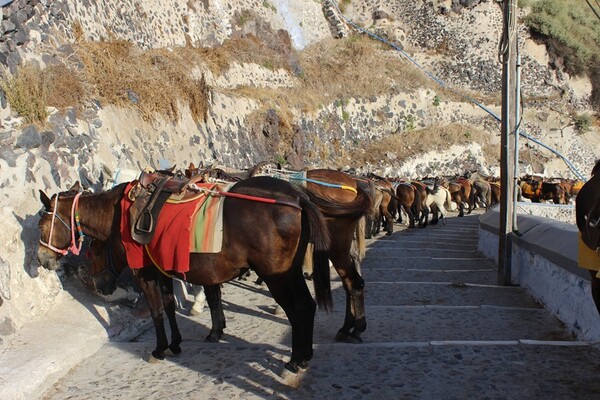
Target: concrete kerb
(45, 349)
(544, 262)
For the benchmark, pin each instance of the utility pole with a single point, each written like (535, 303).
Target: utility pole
(508, 55)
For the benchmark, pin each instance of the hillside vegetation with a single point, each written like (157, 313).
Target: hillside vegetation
(571, 32)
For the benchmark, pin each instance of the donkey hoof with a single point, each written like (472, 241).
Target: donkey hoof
(303, 365)
(290, 378)
(213, 338)
(292, 367)
(155, 358)
(354, 338)
(173, 351)
(342, 336)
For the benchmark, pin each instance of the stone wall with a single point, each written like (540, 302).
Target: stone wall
(544, 262)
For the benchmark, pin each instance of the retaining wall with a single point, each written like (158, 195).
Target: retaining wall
(544, 262)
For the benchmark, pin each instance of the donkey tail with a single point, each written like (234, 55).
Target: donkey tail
(313, 221)
(333, 208)
(448, 201)
(416, 206)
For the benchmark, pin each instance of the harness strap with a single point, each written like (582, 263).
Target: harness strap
(333, 185)
(252, 198)
(49, 245)
(74, 223)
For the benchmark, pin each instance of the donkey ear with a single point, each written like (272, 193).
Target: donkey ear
(76, 187)
(45, 200)
(192, 166)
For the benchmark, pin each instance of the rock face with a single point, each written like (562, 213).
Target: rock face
(455, 40)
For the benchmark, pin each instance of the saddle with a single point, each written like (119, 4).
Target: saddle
(587, 213)
(149, 195)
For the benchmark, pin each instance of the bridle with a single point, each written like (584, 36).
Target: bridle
(74, 248)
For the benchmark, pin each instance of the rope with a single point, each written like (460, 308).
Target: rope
(252, 198)
(299, 176)
(333, 185)
(501, 50)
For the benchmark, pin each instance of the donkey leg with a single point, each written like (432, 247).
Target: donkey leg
(292, 294)
(411, 217)
(213, 298)
(148, 282)
(389, 222)
(424, 220)
(355, 322)
(369, 228)
(168, 299)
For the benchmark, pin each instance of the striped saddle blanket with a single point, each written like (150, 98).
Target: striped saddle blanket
(193, 225)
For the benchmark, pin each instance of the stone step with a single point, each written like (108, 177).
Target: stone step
(427, 262)
(443, 293)
(416, 274)
(390, 371)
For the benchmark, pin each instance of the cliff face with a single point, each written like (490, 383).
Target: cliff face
(97, 142)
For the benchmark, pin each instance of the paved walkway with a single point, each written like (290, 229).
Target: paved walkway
(438, 328)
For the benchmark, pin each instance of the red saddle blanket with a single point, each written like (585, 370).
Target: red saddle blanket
(182, 227)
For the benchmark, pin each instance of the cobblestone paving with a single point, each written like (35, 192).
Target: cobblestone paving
(438, 328)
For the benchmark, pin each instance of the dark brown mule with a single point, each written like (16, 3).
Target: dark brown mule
(423, 214)
(372, 219)
(587, 214)
(467, 192)
(556, 192)
(273, 248)
(481, 191)
(496, 192)
(343, 200)
(571, 186)
(409, 201)
(457, 193)
(388, 198)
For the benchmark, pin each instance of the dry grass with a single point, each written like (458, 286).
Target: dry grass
(411, 143)
(243, 50)
(355, 67)
(154, 82)
(31, 90)
(339, 69)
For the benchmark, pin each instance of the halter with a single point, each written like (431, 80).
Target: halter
(74, 223)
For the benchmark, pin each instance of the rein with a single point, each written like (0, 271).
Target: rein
(74, 224)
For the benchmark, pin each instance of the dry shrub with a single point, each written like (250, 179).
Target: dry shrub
(66, 88)
(243, 50)
(356, 66)
(331, 70)
(26, 92)
(153, 81)
(412, 143)
(32, 89)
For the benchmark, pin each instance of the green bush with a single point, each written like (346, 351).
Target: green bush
(570, 29)
(583, 122)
